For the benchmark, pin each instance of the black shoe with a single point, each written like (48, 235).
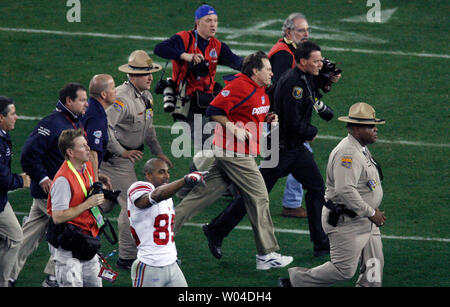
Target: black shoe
(124, 264)
(284, 283)
(214, 243)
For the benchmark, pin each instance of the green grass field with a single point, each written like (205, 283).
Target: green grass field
(399, 66)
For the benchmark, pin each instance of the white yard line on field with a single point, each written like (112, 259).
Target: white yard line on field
(306, 232)
(299, 231)
(268, 46)
(325, 137)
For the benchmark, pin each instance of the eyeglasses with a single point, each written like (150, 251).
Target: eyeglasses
(303, 31)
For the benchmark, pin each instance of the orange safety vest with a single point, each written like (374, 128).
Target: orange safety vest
(85, 220)
(279, 46)
(180, 68)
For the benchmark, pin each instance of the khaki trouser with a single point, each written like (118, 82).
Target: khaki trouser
(244, 173)
(352, 241)
(10, 238)
(34, 231)
(122, 174)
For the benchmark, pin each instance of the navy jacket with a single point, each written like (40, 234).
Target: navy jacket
(8, 180)
(40, 154)
(95, 124)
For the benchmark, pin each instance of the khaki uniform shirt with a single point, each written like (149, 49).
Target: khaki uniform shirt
(130, 121)
(352, 178)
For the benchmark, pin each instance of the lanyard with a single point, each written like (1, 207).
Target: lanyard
(80, 181)
(94, 210)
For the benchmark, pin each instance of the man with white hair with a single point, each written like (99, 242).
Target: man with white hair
(296, 30)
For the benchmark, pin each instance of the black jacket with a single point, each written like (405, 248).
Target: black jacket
(295, 93)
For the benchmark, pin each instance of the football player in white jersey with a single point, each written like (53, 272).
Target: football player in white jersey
(151, 213)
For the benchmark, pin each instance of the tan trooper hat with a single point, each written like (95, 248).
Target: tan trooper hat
(361, 113)
(139, 63)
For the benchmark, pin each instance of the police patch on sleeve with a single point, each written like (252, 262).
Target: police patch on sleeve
(297, 92)
(118, 105)
(346, 161)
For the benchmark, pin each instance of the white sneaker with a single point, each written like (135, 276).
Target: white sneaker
(272, 260)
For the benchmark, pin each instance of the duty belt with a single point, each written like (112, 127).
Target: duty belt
(336, 211)
(140, 148)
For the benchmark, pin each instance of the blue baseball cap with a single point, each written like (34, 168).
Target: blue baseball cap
(204, 10)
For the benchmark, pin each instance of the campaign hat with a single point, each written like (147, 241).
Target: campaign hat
(139, 63)
(363, 114)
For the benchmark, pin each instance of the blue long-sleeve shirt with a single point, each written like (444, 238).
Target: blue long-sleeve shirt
(8, 180)
(95, 123)
(40, 155)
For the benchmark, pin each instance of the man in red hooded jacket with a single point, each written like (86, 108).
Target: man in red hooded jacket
(238, 110)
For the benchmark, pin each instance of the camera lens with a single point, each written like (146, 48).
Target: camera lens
(169, 99)
(169, 107)
(201, 69)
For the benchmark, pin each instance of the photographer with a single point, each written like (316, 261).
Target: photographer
(296, 31)
(295, 100)
(195, 55)
(74, 230)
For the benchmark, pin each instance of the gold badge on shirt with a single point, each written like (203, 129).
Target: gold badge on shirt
(372, 184)
(148, 113)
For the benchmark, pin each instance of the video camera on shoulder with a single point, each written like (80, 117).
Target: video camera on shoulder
(167, 89)
(329, 69)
